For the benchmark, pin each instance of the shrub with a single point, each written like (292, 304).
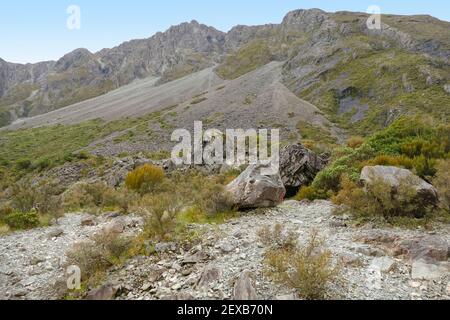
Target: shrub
(145, 178)
(23, 164)
(310, 193)
(97, 255)
(355, 142)
(22, 220)
(308, 269)
(42, 197)
(388, 160)
(96, 196)
(278, 238)
(442, 183)
(380, 200)
(160, 213)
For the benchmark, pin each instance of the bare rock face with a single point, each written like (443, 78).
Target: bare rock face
(397, 177)
(299, 166)
(254, 190)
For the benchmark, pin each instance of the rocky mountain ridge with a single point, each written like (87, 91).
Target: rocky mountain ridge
(312, 42)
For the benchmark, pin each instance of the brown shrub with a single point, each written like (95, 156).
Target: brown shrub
(308, 269)
(355, 142)
(97, 255)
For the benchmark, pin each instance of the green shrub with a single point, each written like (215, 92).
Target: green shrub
(380, 200)
(23, 164)
(145, 178)
(160, 213)
(22, 220)
(96, 196)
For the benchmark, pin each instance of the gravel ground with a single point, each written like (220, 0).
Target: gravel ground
(31, 261)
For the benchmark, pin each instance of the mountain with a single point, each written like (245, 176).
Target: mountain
(358, 78)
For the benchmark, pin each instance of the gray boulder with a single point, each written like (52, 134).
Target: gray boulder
(252, 189)
(395, 177)
(299, 166)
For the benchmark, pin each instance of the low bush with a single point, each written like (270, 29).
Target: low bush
(380, 200)
(22, 220)
(355, 142)
(97, 196)
(145, 179)
(308, 269)
(160, 213)
(94, 257)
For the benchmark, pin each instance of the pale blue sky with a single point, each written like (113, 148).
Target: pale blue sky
(32, 31)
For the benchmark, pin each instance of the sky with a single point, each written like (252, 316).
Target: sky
(32, 31)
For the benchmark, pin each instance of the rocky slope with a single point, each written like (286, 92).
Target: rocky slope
(376, 263)
(323, 55)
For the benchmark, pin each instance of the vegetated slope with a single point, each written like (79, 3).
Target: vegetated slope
(142, 117)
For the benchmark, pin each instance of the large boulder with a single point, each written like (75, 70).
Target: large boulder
(252, 189)
(395, 178)
(299, 166)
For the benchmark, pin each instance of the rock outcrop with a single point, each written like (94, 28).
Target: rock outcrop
(298, 166)
(252, 189)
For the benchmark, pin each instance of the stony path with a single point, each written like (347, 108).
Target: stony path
(378, 264)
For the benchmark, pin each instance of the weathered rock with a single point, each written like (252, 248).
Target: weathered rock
(428, 248)
(383, 264)
(252, 189)
(397, 177)
(447, 88)
(210, 274)
(115, 227)
(88, 221)
(427, 271)
(55, 233)
(106, 292)
(299, 166)
(165, 247)
(243, 289)
(194, 258)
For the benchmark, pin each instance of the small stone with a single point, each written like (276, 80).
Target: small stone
(227, 248)
(286, 297)
(146, 286)
(384, 264)
(88, 222)
(186, 272)
(36, 260)
(104, 293)
(55, 233)
(177, 286)
(415, 284)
